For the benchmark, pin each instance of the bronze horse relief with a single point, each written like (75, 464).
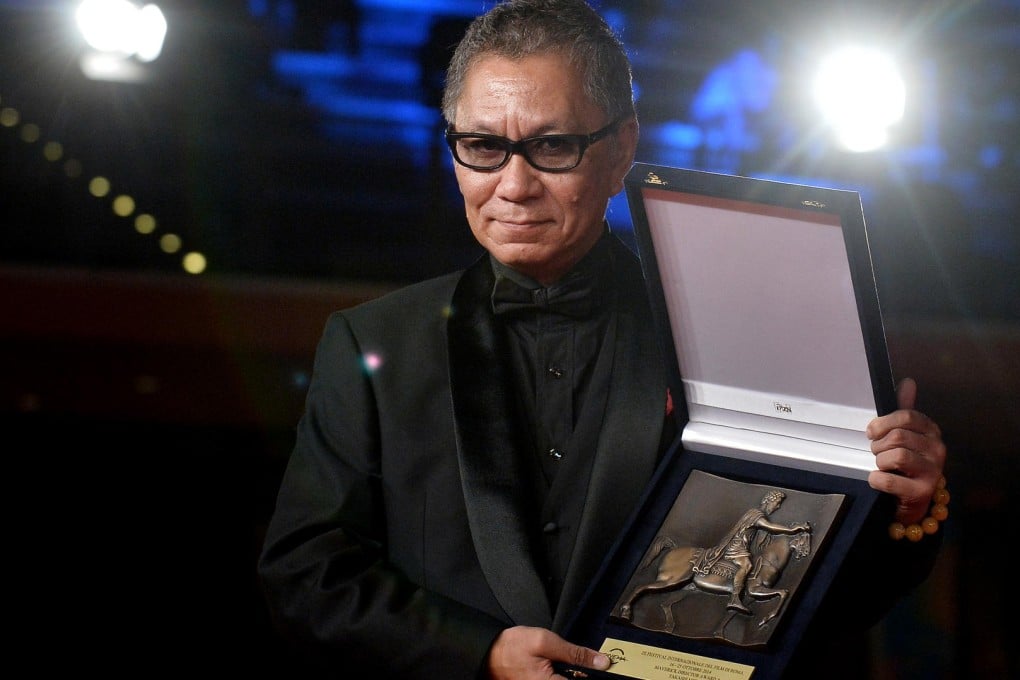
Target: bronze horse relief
(676, 575)
(757, 563)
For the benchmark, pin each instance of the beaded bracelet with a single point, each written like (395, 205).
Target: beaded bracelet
(930, 524)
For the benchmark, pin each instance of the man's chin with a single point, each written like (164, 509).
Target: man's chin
(534, 263)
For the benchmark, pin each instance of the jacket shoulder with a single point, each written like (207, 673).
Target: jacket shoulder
(413, 301)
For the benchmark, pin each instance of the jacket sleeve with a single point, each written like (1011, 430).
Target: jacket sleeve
(324, 570)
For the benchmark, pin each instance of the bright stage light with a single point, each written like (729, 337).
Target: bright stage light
(151, 26)
(122, 28)
(861, 94)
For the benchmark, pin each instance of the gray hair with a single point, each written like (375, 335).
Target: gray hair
(520, 28)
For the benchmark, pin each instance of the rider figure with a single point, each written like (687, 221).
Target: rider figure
(736, 546)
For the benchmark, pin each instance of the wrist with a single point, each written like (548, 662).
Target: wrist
(937, 513)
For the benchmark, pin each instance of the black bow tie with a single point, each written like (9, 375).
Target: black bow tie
(573, 297)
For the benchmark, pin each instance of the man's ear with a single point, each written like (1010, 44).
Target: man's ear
(626, 147)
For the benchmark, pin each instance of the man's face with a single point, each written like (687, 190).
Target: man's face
(536, 222)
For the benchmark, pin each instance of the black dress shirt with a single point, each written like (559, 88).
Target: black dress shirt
(555, 362)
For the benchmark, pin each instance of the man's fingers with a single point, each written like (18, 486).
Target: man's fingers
(912, 495)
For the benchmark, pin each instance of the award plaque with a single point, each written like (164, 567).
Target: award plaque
(764, 296)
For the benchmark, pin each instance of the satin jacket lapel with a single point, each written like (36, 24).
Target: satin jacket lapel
(627, 450)
(491, 462)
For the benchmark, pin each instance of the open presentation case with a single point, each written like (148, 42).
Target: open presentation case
(765, 298)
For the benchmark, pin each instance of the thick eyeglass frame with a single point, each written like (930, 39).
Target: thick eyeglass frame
(511, 147)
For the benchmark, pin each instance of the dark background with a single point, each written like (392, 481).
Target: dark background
(147, 413)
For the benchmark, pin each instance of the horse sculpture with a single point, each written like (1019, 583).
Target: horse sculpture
(675, 572)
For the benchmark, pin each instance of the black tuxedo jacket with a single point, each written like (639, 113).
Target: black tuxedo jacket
(401, 546)
(400, 531)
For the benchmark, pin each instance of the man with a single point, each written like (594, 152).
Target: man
(473, 444)
(736, 546)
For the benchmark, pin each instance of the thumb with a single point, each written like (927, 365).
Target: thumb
(589, 658)
(906, 393)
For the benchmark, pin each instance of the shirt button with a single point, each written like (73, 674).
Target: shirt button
(555, 372)
(555, 453)
(550, 528)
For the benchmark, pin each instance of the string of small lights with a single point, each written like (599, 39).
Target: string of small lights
(123, 205)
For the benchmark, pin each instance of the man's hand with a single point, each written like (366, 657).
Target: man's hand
(909, 454)
(527, 653)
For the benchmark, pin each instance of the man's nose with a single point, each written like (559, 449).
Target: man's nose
(518, 178)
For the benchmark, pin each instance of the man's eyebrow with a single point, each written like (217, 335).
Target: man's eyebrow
(544, 129)
(556, 128)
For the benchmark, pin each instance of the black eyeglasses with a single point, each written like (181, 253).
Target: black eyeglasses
(549, 153)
